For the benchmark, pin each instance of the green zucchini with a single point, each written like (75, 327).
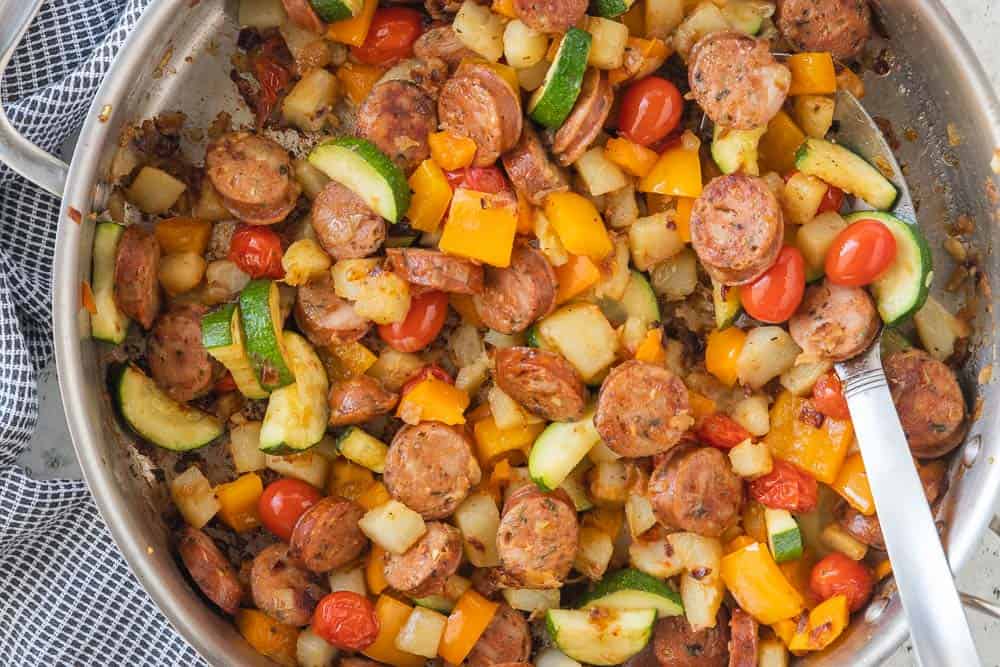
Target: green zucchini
(639, 299)
(261, 323)
(726, 300)
(363, 449)
(632, 589)
(222, 337)
(783, 535)
(551, 103)
(362, 168)
(847, 170)
(559, 449)
(336, 10)
(600, 637)
(108, 323)
(296, 414)
(736, 150)
(743, 16)
(610, 8)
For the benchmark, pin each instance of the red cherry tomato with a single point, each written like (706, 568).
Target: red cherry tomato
(839, 575)
(390, 37)
(283, 502)
(832, 200)
(272, 76)
(721, 431)
(422, 323)
(347, 620)
(860, 254)
(225, 384)
(428, 371)
(650, 110)
(257, 251)
(481, 179)
(786, 488)
(828, 397)
(774, 296)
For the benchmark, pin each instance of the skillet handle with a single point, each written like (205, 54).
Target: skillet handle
(25, 158)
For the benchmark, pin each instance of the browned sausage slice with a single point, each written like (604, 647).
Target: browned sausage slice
(303, 15)
(214, 574)
(359, 399)
(929, 402)
(436, 270)
(397, 116)
(677, 645)
(425, 567)
(839, 26)
(327, 536)
(442, 42)
(344, 224)
(358, 661)
(538, 537)
(642, 409)
(515, 296)
(281, 588)
(586, 120)
(743, 639)
(430, 469)
(178, 362)
(833, 322)
(736, 81)
(137, 289)
(542, 381)
(324, 317)
(695, 489)
(737, 228)
(479, 103)
(506, 640)
(530, 169)
(550, 15)
(253, 176)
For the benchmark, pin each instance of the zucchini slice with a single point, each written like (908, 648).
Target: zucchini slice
(554, 99)
(743, 16)
(363, 449)
(736, 150)
(260, 319)
(109, 323)
(632, 589)
(600, 636)
(156, 417)
(222, 336)
(639, 299)
(783, 535)
(336, 10)
(297, 414)
(610, 8)
(368, 172)
(726, 299)
(559, 448)
(847, 170)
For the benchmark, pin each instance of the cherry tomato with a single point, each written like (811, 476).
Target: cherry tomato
(839, 575)
(283, 502)
(257, 251)
(774, 296)
(650, 110)
(721, 431)
(347, 620)
(860, 254)
(832, 200)
(428, 371)
(390, 37)
(272, 76)
(786, 488)
(828, 396)
(422, 323)
(225, 384)
(481, 179)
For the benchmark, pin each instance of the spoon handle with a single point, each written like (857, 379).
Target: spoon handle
(938, 626)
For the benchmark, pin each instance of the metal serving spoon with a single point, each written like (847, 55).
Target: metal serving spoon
(938, 627)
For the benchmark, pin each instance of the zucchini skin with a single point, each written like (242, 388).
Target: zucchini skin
(552, 103)
(262, 335)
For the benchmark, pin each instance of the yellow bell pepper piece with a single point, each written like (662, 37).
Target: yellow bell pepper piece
(722, 352)
(182, 234)
(354, 30)
(852, 485)
(883, 569)
(826, 621)
(785, 630)
(238, 502)
(677, 172)
(349, 360)
(431, 196)
(798, 573)
(465, 306)
(374, 496)
(492, 442)
(753, 521)
(759, 587)
(357, 79)
(812, 74)
(651, 348)
(576, 275)
(504, 8)
(606, 519)
(701, 406)
(578, 225)
(392, 615)
(451, 151)
(480, 226)
(630, 156)
(525, 215)
(498, 479)
(375, 570)
(818, 451)
(682, 218)
(348, 480)
(466, 623)
(776, 150)
(433, 400)
(270, 638)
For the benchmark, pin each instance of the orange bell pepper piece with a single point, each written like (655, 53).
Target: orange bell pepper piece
(270, 638)
(525, 215)
(354, 30)
(392, 615)
(682, 217)
(722, 352)
(883, 569)
(182, 234)
(677, 172)
(357, 79)
(480, 226)
(466, 623)
(635, 19)
(852, 485)
(651, 348)
(776, 149)
(492, 442)
(818, 451)
(504, 8)
(576, 275)
(759, 586)
(433, 400)
(630, 156)
(608, 520)
(812, 74)
(578, 224)
(238, 502)
(701, 406)
(451, 151)
(431, 196)
(375, 570)
(348, 480)
(826, 621)
(374, 496)
(738, 543)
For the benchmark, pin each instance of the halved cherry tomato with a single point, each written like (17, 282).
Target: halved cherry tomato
(650, 110)
(786, 488)
(257, 251)
(428, 371)
(481, 179)
(721, 431)
(422, 324)
(283, 502)
(774, 296)
(828, 396)
(390, 37)
(832, 200)
(860, 254)
(839, 575)
(347, 620)
(272, 75)
(225, 384)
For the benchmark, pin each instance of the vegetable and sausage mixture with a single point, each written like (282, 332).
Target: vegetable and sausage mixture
(527, 357)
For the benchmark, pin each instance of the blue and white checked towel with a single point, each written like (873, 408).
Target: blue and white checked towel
(66, 595)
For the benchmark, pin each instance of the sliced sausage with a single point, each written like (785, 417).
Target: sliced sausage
(428, 74)
(178, 362)
(515, 296)
(929, 402)
(695, 489)
(436, 270)
(530, 169)
(743, 639)
(642, 409)
(479, 103)
(737, 228)
(834, 323)
(397, 116)
(359, 399)
(214, 574)
(425, 567)
(344, 224)
(281, 588)
(677, 645)
(137, 289)
(358, 661)
(841, 27)
(550, 15)
(507, 639)
(542, 381)
(253, 176)
(303, 15)
(442, 42)
(430, 469)
(324, 317)
(586, 120)
(327, 536)
(538, 537)
(736, 81)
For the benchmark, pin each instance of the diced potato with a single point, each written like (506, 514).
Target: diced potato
(480, 30)
(705, 18)
(701, 601)
(767, 353)
(209, 206)
(422, 632)
(261, 14)
(244, 444)
(653, 555)
(751, 459)
(384, 299)
(612, 286)
(507, 413)
(348, 580)
(621, 208)
(814, 114)
(532, 77)
(479, 520)
(609, 483)
(548, 240)
(154, 191)
(702, 556)
(473, 376)
(310, 178)
(607, 48)
(194, 498)
(675, 278)
(307, 466)
(800, 379)
(633, 332)
(304, 260)
(466, 344)
(752, 414)
(532, 600)
(938, 329)
(393, 368)
(313, 651)
(393, 526)
(308, 105)
(600, 175)
(663, 17)
(584, 336)
(653, 239)
(181, 273)
(639, 514)
(600, 453)
(350, 275)
(772, 653)
(814, 238)
(553, 657)
(308, 49)
(523, 47)
(838, 539)
(593, 553)
(802, 197)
